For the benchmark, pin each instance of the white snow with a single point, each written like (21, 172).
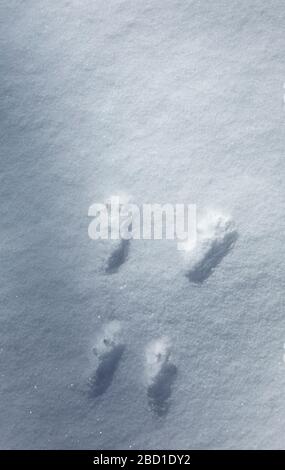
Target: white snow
(216, 235)
(171, 101)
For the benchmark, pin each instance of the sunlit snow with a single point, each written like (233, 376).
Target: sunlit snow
(115, 344)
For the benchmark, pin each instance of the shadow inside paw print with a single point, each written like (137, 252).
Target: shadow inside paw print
(159, 391)
(203, 269)
(104, 374)
(118, 257)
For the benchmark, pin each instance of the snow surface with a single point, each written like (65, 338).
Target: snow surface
(172, 101)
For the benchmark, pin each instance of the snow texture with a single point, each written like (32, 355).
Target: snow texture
(171, 101)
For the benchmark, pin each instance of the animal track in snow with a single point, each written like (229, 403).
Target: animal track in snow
(160, 374)
(108, 351)
(119, 248)
(118, 256)
(216, 236)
